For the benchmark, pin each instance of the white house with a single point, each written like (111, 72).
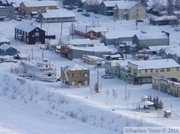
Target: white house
(58, 16)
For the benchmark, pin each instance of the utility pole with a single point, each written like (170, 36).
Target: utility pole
(61, 26)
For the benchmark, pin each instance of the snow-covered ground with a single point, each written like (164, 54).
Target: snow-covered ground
(36, 107)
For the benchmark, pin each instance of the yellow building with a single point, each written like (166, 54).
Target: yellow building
(141, 72)
(75, 75)
(36, 6)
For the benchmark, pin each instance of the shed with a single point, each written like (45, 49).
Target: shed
(167, 113)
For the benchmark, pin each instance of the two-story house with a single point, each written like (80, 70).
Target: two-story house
(27, 7)
(29, 33)
(75, 75)
(129, 10)
(141, 72)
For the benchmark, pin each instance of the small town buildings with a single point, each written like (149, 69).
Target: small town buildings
(107, 8)
(15, 5)
(4, 40)
(172, 52)
(76, 48)
(6, 49)
(51, 44)
(30, 34)
(6, 12)
(164, 20)
(92, 5)
(92, 60)
(75, 75)
(89, 32)
(166, 85)
(141, 72)
(117, 37)
(51, 16)
(27, 7)
(129, 10)
(151, 39)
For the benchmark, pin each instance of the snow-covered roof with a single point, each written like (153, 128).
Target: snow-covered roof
(98, 29)
(96, 48)
(165, 17)
(155, 64)
(59, 13)
(118, 34)
(39, 3)
(110, 3)
(80, 41)
(16, 3)
(3, 39)
(5, 46)
(52, 42)
(25, 26)
(126, 4)
(86, 28)
(152, 36)
(76, 66)
(93, 57)
(115, 55)
(93, 2)
(173, 50)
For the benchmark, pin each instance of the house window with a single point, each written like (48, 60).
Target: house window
(177, 69)
(73, 83)
(139, 71)
(168, 69)
(85, 82)
(156, 70)
(37, 34)
(86, 75)
(72, 74)
(162, 70)
(151, 70)
(145, 71)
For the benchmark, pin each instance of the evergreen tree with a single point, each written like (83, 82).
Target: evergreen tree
(160, 105)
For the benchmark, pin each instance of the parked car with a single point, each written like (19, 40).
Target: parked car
(79, 10)
(107, 76)
(86, 14)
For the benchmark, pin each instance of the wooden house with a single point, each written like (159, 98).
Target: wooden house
(141, 72)
(6, 12)
(30, 34)
(129, 10)
(107, 8)
(167, 85)
(164, 20)
(92, 5)
(75, 75)
(27, 7)
(91, 60)
(51, 16)
(6, 49)
(89, 32)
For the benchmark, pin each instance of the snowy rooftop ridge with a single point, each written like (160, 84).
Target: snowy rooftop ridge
(58, 13)
(155, 64)
(126, 4)
(25, 26)
(76, 66)
(39, 3)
